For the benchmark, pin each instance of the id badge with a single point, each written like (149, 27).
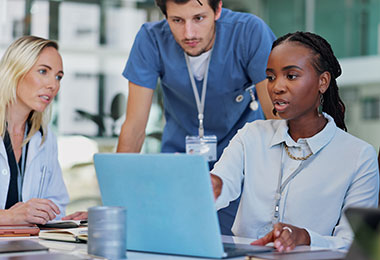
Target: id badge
(205, 146)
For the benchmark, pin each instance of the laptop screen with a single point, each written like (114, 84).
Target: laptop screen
(169, 201)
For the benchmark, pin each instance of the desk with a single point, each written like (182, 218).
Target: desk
(80, 250)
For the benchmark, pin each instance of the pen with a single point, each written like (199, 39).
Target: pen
(42, 182)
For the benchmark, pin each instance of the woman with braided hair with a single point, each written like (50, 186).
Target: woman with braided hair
(302, 172)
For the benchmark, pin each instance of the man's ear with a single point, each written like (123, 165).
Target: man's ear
(218, 10)
(324, 81)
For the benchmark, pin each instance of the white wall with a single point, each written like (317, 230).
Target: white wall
(361, 77)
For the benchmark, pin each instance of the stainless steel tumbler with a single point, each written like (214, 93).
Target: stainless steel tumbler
(107, 232)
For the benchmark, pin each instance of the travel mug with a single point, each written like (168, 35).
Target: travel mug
(107, 232)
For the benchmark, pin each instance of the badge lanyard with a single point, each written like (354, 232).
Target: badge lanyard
(281, 187)
(202, 144)
(200, 102)
(21, 172)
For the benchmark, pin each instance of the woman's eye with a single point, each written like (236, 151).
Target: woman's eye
(270, 77)
(42, 71)
(290, 76)
(176, 20)
(59, 77)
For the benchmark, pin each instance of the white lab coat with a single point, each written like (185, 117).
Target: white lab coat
(43, 175)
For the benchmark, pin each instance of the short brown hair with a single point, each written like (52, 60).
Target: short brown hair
(162, 4)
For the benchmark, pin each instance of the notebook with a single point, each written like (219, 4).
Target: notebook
(169, 202)
(78, 235)
(61, 224)
(365, 223)
(19, 230)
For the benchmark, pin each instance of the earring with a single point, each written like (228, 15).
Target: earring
(320, 107)
(274, 111)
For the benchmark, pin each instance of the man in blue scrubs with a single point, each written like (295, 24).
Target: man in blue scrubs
(198, 40)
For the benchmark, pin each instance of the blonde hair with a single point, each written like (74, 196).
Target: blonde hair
(16, 62)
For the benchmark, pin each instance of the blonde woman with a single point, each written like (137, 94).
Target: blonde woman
(31, 185)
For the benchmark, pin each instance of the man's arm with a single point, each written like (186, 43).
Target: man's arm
(132, 133)
(265, 101)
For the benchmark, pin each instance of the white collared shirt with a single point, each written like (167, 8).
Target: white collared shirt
(43, 175)
(342, 172)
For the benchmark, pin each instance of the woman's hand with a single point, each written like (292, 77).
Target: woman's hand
(79, 215)
(34, 211)
(285, 237)
(217, 184)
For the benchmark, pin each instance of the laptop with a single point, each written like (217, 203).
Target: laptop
(365, 223)
(169, 202)
(13, 246)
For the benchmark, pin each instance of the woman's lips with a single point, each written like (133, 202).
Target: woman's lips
(280, 105)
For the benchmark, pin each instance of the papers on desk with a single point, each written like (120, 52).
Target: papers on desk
(78, 235)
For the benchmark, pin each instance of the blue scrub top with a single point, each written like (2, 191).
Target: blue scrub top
(239, 58)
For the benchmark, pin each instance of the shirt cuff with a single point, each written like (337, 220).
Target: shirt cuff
(330, 242)
(222, 201)
(317, 240)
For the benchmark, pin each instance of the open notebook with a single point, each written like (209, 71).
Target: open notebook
(169, 202)
(67, 235)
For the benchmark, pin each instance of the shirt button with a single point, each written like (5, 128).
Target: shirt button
(239, 98)
(4, 171)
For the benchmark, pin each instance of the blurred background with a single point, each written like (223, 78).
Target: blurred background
(95, 37)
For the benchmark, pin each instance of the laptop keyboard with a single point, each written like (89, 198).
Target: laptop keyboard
(233, 250)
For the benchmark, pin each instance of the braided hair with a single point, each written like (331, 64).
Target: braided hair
(324, 60)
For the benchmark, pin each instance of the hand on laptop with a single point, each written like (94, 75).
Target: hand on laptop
(79, 215)
(34, 211)
(217, 184)
(285, 237)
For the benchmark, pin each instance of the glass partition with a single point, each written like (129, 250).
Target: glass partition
(95, 38)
